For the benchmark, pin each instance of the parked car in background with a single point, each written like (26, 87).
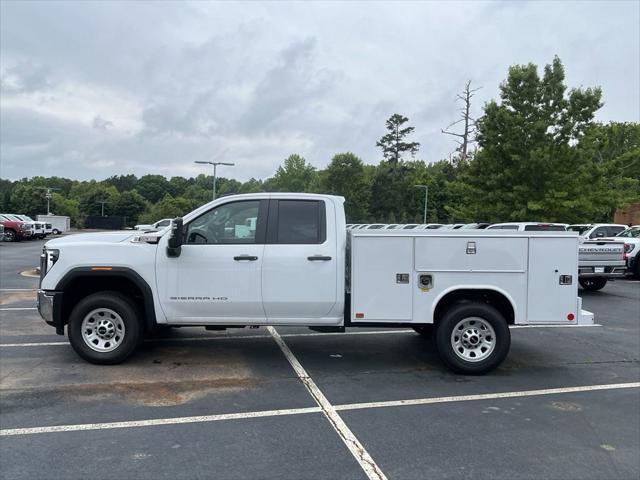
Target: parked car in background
(475, 226)
(59, 223)
(529, 226)
(15, 230)
(1, 233)
(598, 261)
(165, 222)
(429, 226)
(597, 230)
(39, 230)
(631, 238)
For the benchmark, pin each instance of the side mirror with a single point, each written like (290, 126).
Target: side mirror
(174, 245)
(600, 235)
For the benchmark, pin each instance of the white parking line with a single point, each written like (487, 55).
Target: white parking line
(350, 440)
(487, 396)
(156, 421)
(300, 411)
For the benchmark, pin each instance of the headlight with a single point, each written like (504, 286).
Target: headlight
(629, 247)
(48, 259)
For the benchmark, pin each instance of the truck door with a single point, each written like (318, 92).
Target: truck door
(216, 278)
(300, 267)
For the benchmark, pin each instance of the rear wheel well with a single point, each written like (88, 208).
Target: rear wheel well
(486, 296)
(81, 286)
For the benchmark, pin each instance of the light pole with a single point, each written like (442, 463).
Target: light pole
(426, 196)
(215, 166)
(48, 196)
(102, 202)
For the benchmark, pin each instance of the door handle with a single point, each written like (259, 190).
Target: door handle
(322, 258)
(250, 258)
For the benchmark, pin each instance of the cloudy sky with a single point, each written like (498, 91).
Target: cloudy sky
(93, 89)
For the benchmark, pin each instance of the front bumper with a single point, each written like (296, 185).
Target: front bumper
(50, 309)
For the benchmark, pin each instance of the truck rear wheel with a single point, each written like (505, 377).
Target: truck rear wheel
(104, 328)
(593, 283)
(472, 338)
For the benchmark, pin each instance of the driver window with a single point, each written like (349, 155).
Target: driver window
(231, 223)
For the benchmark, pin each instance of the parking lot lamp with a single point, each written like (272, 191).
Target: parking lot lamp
(215, 166)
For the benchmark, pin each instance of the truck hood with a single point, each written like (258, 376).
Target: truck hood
(97, 237)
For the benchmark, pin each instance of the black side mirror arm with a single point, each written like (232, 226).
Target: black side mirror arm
(174, 244)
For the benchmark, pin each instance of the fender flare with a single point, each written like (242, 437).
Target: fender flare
(116, 272)
(493, 288)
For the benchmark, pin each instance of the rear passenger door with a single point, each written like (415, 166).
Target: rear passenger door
(299, 270)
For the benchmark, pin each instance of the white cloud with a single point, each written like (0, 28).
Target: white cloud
(95, 89)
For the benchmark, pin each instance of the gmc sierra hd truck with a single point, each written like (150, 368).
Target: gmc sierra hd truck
(288, 259)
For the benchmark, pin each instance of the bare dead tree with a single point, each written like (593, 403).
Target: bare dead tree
(467, 136)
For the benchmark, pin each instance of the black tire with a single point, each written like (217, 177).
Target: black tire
(466, 312)
(10, 236)
(122, 306)
(636, 269)
(425, 330)
(55, 231)
(593, 283)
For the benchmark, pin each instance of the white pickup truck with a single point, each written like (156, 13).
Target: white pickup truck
(288, 259)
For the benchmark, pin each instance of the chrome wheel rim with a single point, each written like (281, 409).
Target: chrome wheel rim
(103, 330)
(473, 339)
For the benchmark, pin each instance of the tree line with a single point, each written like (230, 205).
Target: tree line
(535, 153)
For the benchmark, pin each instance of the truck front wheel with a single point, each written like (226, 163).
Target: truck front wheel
(10, 236)
(104, 328)
(593, 283)
(472, 338)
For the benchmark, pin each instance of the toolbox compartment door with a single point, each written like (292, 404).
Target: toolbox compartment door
(547, 300)
(494, 254)
(381, 278)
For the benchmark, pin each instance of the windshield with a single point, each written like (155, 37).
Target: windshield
(578, 228)
(633, 232)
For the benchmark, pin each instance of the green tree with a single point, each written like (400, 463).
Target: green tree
(90, 196)
(168, 207)
(122, 182)
(393, 195)
(28, 200)
(66, 207)
(527, 167)
(154, 187)
(129, 205)
(393, 144)
(345, 176)
(295, 175)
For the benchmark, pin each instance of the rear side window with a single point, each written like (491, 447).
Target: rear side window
(599, 232)
(613, 231)
(300, 222)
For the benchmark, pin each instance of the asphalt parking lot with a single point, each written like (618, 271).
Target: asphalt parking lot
(290, 403)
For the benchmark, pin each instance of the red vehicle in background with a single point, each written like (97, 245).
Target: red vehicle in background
(15, 230)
